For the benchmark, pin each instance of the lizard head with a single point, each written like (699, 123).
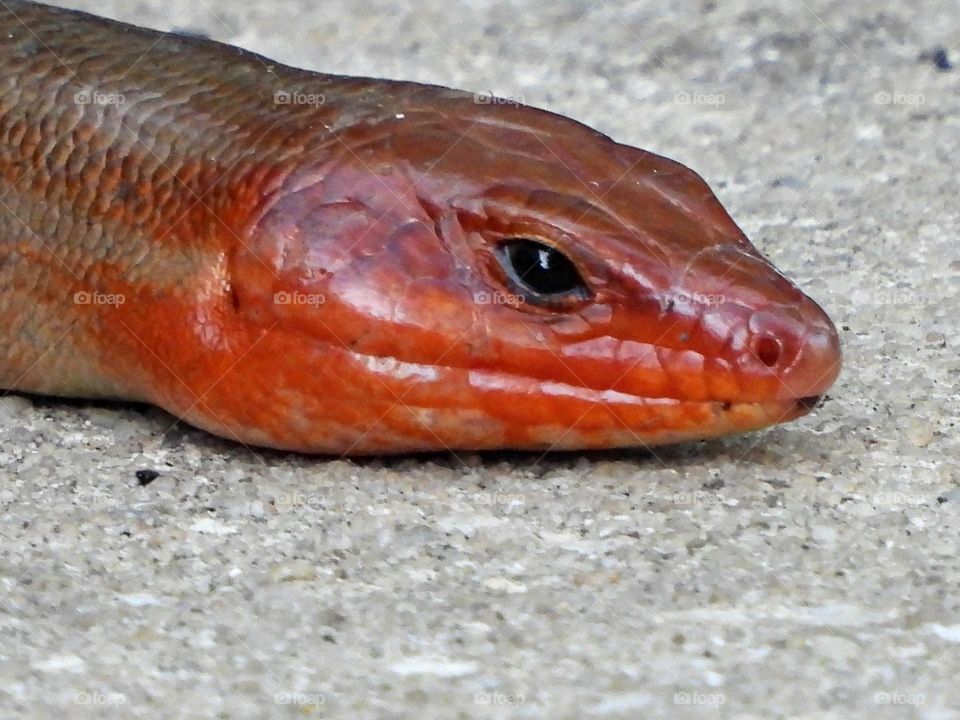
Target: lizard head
(489, 276)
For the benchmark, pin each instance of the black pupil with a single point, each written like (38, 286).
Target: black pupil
(541, 268)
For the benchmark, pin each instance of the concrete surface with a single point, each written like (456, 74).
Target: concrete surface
(806, 572)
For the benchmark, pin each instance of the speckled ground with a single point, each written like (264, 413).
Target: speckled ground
(807, 572)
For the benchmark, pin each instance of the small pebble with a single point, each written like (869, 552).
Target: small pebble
(145, 477)
(13, 406)
(505, 585)
(291, 571)
(920, 434)
(942, 60)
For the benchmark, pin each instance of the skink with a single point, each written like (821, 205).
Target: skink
(351, 265)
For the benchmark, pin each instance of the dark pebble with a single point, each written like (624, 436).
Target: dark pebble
(145, 477)
(942, 60)
(939, 57)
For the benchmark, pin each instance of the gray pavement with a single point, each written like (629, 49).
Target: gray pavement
(810, 571)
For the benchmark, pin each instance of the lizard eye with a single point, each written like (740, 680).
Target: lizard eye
(542, 274)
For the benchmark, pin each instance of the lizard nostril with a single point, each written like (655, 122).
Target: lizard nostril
(767, 349)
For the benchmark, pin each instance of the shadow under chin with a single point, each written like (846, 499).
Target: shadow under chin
(694, 453)
(745, 448)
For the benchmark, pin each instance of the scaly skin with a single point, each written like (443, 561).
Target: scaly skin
(320, 276)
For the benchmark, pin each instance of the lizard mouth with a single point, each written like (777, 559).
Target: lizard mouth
(730, 418)
(501, 409)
